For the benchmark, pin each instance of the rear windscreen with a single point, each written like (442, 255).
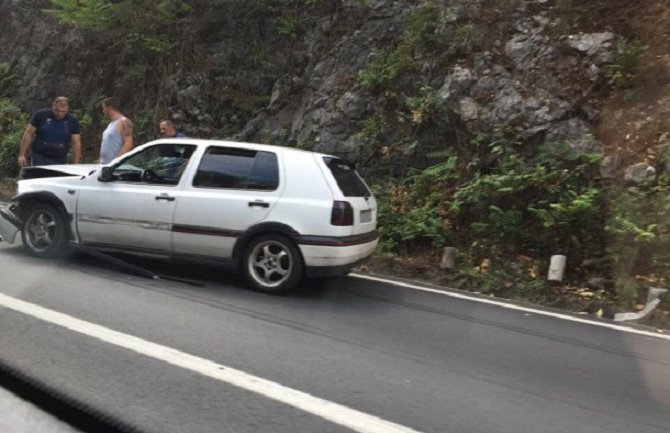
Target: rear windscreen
(347, 179)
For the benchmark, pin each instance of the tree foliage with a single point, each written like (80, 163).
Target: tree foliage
(92, 14)
(139, 24)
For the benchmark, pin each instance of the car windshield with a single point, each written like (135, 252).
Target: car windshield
(163, 164)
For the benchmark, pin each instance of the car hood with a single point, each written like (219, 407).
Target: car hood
(58, 170)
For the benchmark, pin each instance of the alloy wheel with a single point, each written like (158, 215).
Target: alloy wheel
(42, 230)
(270, 263)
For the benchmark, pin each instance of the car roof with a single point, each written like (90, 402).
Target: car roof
(201, 142)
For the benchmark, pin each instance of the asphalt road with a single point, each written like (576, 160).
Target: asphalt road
(429, 362)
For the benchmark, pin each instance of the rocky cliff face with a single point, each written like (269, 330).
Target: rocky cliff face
(47, 59)
(290, 72)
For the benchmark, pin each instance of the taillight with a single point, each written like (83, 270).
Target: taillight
(343, 214)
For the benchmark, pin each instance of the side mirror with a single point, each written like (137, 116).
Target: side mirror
(106, 174)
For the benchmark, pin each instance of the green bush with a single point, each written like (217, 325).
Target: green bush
(626, 58)
(419, 41)
(547, 203)
(288, 26)
(638, 229)
(12, 124)
(6, 78)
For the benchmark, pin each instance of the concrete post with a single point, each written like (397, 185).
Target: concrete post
(448, 258)
(556, 268)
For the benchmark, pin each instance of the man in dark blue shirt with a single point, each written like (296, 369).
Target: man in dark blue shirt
(167, 129)
(51, 133)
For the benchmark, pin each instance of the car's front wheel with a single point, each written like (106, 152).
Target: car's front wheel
(44, 231)
(272, 263)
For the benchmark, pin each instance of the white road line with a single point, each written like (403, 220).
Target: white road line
(333, 412)
(510, 306)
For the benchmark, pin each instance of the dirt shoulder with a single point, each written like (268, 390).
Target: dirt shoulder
(531, 288)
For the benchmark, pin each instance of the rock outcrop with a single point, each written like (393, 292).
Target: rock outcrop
(242, 78)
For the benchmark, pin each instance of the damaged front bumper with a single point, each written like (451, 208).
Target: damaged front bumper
(10, 224)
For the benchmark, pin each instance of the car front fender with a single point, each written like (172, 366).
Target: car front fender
(23, 201)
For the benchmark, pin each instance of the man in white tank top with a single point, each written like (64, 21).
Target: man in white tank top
(117, 139)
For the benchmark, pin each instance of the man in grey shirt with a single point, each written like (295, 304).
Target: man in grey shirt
(117, 139)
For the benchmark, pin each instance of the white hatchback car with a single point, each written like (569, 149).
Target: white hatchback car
(275, 213)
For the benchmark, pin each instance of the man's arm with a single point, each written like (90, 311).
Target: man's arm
(75, 145)
(125, 127)
(26, 141)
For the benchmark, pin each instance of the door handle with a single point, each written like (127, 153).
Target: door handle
(164, 197)
(258, 204)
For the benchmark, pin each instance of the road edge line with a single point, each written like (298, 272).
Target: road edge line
(501, 303)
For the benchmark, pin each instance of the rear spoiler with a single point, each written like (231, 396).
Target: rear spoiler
(335, 160)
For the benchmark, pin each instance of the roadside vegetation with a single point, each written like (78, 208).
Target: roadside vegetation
(12, 122)
(505, 204)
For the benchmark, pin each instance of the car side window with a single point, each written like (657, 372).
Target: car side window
(232, 168)
(162, 164)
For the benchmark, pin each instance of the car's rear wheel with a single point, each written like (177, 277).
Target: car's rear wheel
(44, 231)
(272, 263)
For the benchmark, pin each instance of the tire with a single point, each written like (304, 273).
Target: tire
(44, 231)
(272, 264)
